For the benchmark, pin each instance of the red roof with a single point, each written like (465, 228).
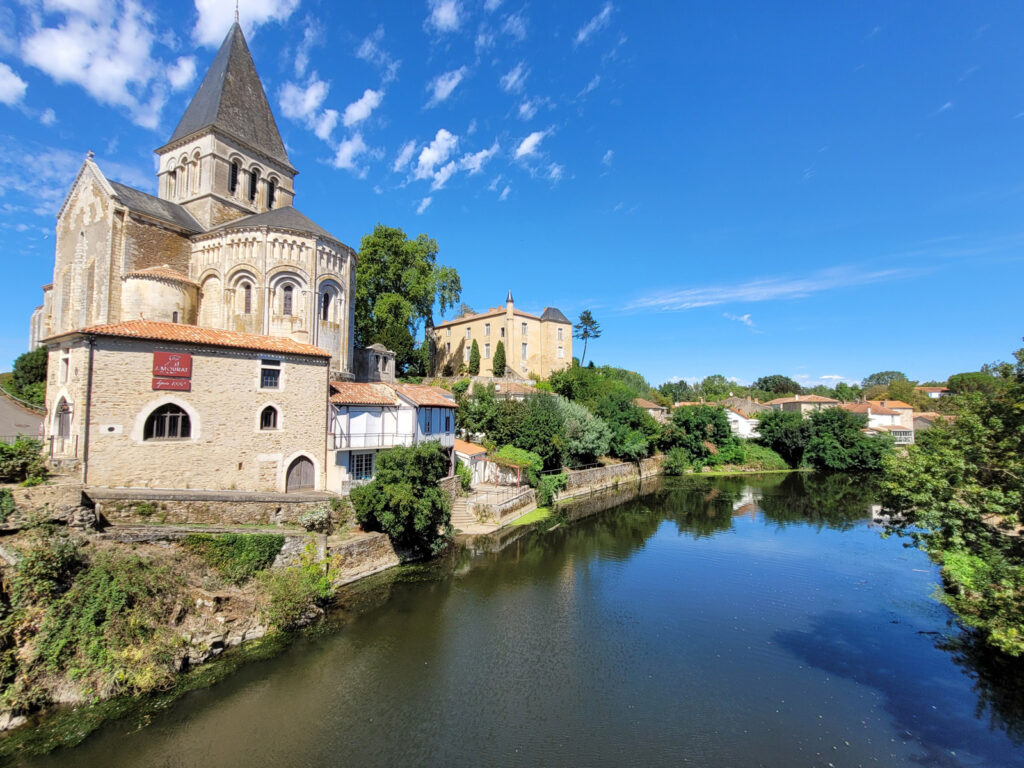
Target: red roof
(468, 449)
(513, 388)
(353, 393)
(423, 395)
(647, 404)
(876, 410)
(193, 334)
(932, 389)
(891, 404)
(801, 399)
(164, 273)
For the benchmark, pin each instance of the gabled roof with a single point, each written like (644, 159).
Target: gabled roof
(148, 205)
(647, 404)
(193, 334)
(553, 315)
(468, 449)
(420, 394)
(801, 399)
(163, 273)
(362, 393)
(231, 99)
(891, 404)
(490, 313)
(286, 217)
(876, 409)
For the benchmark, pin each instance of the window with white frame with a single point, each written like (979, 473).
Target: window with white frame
(270, 374)
(465, 354)
(523, 356)
(525, 329)
(487, 350)
(561, 351)
(487, 329)
(469, 333)
(560, 334)
(362, 466)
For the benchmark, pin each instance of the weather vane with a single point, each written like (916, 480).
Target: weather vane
(236, 11)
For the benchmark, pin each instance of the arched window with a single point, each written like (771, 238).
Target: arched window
(325, 306)
(172, 184)
(233, 178)
(268, 418)
(168, 422)
(288, 290)
(253, 181)
(63, 420)
(247, 298)
(271, 193)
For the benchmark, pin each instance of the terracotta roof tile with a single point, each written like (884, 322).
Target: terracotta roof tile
(891, 404)
(647, 404)
(193, 334)
(421, 394)
(513, 388)
(361, 393)
(876, 409)
(164, 273)
(802, 399)
(469, 449)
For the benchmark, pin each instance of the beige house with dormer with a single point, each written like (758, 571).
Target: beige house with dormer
(537, 344)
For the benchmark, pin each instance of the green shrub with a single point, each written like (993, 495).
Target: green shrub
(6, 504)
(317, 519)
(548, 486)
(762, 457)
(237, 556)
(111, 625)
(22, 460)
(465, 475)
(291, 592)
(46, 566)
(460, 387)
(530, 462)
(677, 462)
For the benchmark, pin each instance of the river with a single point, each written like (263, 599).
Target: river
(708, 622)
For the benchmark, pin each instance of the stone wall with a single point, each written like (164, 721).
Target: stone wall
(601, 476)
(506, 508)
(362, 555)
(174, 509)
(452, 486)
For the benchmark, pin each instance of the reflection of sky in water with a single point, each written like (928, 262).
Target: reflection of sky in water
(713, 623)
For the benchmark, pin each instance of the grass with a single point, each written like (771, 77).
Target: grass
(538, 514)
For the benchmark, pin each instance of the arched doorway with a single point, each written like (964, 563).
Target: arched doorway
(301, 474)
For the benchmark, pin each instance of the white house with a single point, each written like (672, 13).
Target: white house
(369, 417)
(474, 457)
(884, 420)
(934, 392)
(741, 424)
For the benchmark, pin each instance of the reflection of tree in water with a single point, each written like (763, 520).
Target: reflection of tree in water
(996, 681)
(824, 500)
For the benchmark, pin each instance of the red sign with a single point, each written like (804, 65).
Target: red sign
(175, 385)
(174, 364)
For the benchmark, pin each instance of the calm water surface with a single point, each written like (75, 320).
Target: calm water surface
(713, 622)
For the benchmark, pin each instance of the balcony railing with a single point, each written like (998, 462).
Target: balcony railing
(356, 440)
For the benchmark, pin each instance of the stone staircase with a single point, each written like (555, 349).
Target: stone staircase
(462, 515)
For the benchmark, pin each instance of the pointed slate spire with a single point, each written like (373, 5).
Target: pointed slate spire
(509, 299)
(231, 99)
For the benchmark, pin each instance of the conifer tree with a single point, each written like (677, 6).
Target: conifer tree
(499, 359)
(474, 359)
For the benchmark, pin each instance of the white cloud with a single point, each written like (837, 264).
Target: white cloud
(833, 377)
(404, 156)
(323, 126)
(596, 24)
(300, 103)
(108, 53)
(360, 109)
(441, 87)
(49, 117)
(505, 193)
(370, 51)
(594, 82)
(348, 151)
(444, 173)
(555, 172)
(515, 26)
(471, 129)
(944, 108)
(528, 109)
(493, 186)
(310, 36)
(474, 163)
(608, 157)
(181, 74)
(424, 204)
(484, 40)
(528, 146)
(216, 17)
(435, 153)
(514, 80)
(491, 5)
(766, 289)
(12, 87)
(445, 15)
(745, 319)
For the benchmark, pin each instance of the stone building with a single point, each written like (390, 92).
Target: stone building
(145, 404)
(533, 344)
(220, 246)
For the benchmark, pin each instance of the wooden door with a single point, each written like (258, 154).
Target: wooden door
(300, 476)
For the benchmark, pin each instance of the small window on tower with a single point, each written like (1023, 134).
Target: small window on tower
(325, 307)
(253, 180)
(247, 298)
(233, 179)
(271, 193)
(287, 309)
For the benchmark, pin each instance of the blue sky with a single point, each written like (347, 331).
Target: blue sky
(822, 190)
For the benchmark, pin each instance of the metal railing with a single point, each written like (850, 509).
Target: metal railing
(340, 441)
(348, 485)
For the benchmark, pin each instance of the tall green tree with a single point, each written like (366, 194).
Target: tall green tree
(837, 443)
(474, 359)
(586, 328)
(785, 432)
(777, 384)
(398, 281)
(28, 379)
(882, 379)
(498, 363)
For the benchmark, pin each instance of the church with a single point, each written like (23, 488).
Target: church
(203, 338)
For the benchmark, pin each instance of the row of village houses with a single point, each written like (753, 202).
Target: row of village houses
(892, 417)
